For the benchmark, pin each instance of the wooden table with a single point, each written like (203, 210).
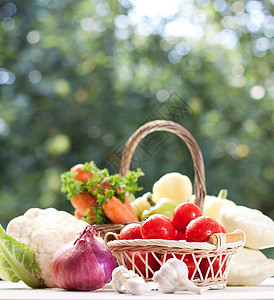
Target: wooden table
(19, 291)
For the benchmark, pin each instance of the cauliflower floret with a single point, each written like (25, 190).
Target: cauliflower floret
(32, 213)
(44, 244)
(45, 241)
(15, 227)
(45, 231)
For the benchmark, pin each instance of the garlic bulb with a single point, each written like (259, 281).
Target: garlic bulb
(173, 276)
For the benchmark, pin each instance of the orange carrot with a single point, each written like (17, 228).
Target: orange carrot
(80, 174)
(82, 202)
(128, 205)
(118, 212)
(77, 214)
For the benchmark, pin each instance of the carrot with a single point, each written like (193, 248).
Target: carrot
(77, 214)
(118, 212)
(128, 205)
(82, 202)
(80, 174)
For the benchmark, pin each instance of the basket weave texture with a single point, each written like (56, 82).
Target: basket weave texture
(210, 260)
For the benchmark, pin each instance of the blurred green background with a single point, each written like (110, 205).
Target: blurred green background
(78, 77)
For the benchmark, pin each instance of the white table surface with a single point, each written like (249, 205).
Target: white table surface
(16, 291)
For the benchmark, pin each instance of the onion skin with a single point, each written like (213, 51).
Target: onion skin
(84, 264)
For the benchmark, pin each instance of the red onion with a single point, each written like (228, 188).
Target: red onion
(84, 264)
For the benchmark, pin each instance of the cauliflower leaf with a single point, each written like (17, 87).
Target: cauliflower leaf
(18, 261)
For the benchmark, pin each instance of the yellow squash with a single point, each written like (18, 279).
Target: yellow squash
(212, 205)
(174, 186)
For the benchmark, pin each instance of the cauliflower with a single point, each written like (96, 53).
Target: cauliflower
(45, 231)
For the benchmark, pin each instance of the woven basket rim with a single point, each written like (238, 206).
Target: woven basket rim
(133, 245)
(171, 243)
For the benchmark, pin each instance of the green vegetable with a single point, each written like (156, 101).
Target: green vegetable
(142, 203)
(164, 207)
(18, 262)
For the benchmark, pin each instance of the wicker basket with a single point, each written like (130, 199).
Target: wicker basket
(215, 254)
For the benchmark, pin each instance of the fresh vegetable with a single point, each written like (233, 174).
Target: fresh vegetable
(201, 228)
(18, 262)
(130, 232)
(80, 174)
(212, 205)
(212, 266)
(249, 267)
(78, 215)
(101, 187)
(143, 263)
(83, 203)
(258, 228)
(141, 203)
(119, 212)
(179, 235)
(173, 276)
(127, 281)
(83, 264)
(183, 214)
(187, 259)
(164, 207)
(44, 231)
(174, 186)
(157, 227)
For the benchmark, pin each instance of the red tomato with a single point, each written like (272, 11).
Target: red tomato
(204, 265)
(201, 228)
(80, 174)
(179, 235)
(188, 260)
(157, 227)
(183, 214)
(130, 232)
(167, 218)
(151, 261)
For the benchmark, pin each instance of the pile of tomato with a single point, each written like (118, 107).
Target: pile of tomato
(187, 223)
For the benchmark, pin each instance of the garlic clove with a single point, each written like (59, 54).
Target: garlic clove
(137, 286)
(126, 281)
(116, 285)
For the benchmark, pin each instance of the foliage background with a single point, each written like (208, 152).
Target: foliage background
(78, 77)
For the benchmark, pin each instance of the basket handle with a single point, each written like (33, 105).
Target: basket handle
(185, 136)
(110, 236)
(230, 237)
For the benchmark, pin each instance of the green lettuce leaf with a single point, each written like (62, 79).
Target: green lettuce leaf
(18, 262)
